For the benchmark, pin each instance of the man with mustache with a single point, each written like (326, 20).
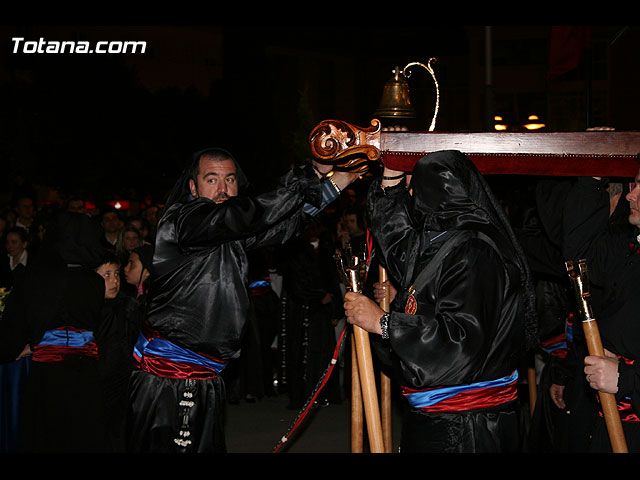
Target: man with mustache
(199, 303)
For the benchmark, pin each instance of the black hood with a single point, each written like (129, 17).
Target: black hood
(72, 239)
(450, 194)
(145, 252)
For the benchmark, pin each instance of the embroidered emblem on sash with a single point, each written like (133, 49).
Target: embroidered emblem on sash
(412, 304)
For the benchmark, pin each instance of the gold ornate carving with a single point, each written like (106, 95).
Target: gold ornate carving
(346, 146)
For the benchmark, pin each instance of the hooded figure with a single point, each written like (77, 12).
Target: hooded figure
(464, 309)
(198, 301)
(56, 311)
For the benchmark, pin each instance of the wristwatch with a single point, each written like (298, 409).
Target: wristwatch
(384, 325)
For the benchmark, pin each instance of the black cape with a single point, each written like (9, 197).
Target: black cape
(451, 242)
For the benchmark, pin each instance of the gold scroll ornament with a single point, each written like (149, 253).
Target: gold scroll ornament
(580, 279)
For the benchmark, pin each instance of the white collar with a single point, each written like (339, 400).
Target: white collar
(22, 260)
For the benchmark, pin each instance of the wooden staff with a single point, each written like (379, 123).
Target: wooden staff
(357, 419)
(352, 276)
(533, 390)
(368, 386)
(385, 381)
(580, 282)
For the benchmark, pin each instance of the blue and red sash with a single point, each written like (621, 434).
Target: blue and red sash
(464, 397)
(56, 344)
(259, 287)
(164, 358)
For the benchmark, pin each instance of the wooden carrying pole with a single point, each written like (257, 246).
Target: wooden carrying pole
(357, 419)
(580, 282)
(369, 393)
(385, 381)
(352, 277)
(596, 153)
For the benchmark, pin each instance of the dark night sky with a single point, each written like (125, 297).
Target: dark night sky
(85, 123)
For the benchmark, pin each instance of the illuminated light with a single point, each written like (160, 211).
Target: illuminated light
(497, 118)
(120, 204)
(500, 127)
(534, 124)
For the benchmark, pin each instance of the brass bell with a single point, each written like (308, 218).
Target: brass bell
(395, 101)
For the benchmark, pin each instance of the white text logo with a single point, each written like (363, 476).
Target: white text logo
(68, 46)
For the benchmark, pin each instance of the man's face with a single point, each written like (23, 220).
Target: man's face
(25, 208)
(216, 180)
(111, 222)
(76, 206)
(633, 197)
(151, 215)
(351, 223)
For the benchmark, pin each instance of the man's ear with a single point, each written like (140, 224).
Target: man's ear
(192, 188)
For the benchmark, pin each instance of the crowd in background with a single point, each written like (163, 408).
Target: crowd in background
(297, 297)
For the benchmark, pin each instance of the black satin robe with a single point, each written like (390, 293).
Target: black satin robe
(470, 323)
(199, 301)
(199, 298)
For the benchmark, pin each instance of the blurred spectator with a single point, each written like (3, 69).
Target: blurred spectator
(4, 226)
(111, 224)
(151, 215)
(13, 373)
(16, 244)
(314, 305)
(25, 210)
(129, 239)
(76, 204)
(142, 225)
(352, 229)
